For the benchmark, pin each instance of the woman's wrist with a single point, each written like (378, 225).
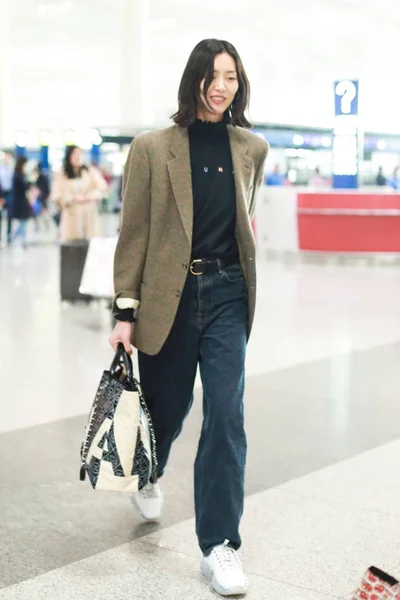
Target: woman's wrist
(125, 315)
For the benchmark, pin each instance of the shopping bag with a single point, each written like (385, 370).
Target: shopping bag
(97, 276)
(378, 585)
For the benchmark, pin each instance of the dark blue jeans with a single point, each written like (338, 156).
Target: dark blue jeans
(20, 232)
(210, 330)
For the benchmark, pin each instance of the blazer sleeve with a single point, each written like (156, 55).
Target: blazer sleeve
(258, 180)
(130, 253)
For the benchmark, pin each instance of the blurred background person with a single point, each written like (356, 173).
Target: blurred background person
(21, 203)
(2, 211)
(118, 202)
(42, 184)
(275, 178)
(395, 181)
(107, 176)
(316, 180)
(78, 189)
(6, 184)
(380, 178)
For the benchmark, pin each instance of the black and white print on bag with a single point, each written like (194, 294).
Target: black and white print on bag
(118, 451)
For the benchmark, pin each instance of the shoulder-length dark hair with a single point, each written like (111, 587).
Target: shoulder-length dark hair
(68, 168)
(20, 164)
(201, 66)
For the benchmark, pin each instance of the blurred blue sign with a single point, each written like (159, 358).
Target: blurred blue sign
(346, 135)
(346, 97)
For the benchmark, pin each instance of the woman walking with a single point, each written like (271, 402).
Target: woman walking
(185, 267)
(78, 189)
(21, 206)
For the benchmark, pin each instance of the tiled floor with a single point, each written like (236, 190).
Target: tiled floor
(322, 388)
(297, 544)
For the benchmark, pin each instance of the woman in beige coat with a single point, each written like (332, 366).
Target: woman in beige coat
(78, 189)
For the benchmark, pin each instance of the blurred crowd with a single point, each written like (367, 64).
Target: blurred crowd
(393, 181)
(69, 200)
(277, 178)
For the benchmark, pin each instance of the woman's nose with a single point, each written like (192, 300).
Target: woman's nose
(220, 84)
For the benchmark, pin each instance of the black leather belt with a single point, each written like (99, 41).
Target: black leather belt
(201, 266)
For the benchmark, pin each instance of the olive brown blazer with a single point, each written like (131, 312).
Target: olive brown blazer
(154, 247)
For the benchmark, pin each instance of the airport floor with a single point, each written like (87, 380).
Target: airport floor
(322, 398)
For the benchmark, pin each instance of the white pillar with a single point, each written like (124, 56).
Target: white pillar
(136, 76)
(6, 116)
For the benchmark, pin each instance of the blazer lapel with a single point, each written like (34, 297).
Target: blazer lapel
(242, 168)
(181, 177)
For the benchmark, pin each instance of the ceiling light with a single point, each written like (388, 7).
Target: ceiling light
(298, 140)
(21, 138)
(95, 137)
(326, 142)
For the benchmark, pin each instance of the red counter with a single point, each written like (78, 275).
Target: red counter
(349, 221)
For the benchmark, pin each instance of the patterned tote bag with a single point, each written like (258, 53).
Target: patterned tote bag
(378, 585)
(118, 452)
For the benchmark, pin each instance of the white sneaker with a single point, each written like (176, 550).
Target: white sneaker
(224, 569)
(149, 502)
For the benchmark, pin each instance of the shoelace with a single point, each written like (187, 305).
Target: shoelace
(225, 557)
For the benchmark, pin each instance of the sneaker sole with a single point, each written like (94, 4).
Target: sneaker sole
(209, 574)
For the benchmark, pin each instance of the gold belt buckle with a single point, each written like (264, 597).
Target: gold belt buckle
(191, 266)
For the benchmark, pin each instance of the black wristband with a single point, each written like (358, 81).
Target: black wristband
(125, 314)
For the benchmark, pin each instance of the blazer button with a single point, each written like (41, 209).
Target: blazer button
(178, 294)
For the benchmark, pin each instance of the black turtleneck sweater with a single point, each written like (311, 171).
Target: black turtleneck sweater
(214, 194)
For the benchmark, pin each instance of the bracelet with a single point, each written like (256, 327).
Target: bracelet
(126, 315)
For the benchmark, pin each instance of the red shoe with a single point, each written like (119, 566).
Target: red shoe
(378, 585)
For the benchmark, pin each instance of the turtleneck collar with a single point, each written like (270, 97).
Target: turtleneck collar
(208, 124)
(209, 128)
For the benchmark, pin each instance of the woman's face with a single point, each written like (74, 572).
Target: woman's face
(222, 90)
(76, 158)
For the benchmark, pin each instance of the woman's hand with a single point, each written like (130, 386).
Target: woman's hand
(122, 334)
(91, 197)
(81, 199)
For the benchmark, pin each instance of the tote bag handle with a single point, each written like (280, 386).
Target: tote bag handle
(122, 356)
